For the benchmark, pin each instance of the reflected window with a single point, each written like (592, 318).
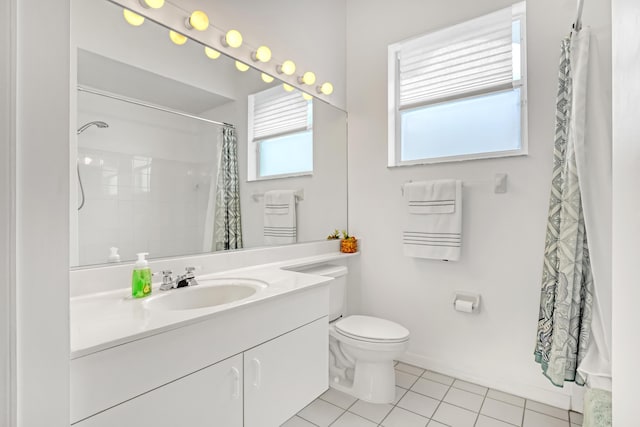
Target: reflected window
(280, 134)
(142, 174)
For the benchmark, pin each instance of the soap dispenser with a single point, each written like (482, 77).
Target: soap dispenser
(114, 256)
(141, 279)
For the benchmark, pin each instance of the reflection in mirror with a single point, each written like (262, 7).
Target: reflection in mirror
(178, 154)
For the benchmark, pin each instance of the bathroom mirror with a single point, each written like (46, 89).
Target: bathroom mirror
(145, 179)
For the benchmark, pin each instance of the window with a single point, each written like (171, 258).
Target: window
(460, 93)
(280, 134)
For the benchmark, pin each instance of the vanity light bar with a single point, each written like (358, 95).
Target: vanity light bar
(199, 21)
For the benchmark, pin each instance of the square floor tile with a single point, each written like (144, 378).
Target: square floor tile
(430, 388)
(320, 413)
(296, 421)
(536, 419)
(454, 416)
(575, 417)
(351, 420)
(439, 378)
(464, 399)
(484, 421)
(502, 411)
(405, 380)
(419, 404)
(400, 392)
(467, 386)
(434, 423)
(409, 369)
(399, 417)
(338, 398)
(505, 397)
(548, 410)
(371, 411)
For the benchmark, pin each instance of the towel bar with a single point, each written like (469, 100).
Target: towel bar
(299, 195)
(499, 183)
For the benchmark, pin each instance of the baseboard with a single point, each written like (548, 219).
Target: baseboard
(549, 397)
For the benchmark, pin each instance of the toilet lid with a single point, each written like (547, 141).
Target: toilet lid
(372, 329)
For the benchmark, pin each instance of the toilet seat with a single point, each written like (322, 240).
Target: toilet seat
(372, 329)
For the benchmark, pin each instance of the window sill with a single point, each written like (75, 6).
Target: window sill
(288, 175)
(452, 159)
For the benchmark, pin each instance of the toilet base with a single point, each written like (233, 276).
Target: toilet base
(373, 382)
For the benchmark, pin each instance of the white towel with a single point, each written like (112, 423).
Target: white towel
(280, 217)
(434, 219)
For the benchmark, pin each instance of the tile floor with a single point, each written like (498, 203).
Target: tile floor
(425, 398)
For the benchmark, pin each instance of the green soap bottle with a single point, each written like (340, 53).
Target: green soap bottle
(141, 278)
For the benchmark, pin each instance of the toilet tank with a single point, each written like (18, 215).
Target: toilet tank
(337, 287)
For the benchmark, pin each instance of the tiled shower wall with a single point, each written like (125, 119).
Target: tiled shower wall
(147, 180)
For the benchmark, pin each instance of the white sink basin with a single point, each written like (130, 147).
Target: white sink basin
(208, 293)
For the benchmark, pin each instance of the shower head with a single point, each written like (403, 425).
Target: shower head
(97, 123)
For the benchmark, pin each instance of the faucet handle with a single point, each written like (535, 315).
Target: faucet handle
(166, 276)
(190, 269)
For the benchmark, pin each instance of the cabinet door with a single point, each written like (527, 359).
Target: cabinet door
(207, 398)
(285, 374)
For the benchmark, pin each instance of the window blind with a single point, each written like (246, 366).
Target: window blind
(277, 112)
(472, 57)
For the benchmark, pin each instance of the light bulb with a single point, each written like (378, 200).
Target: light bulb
(306, 96)
(266, 78)
(177, 38)
(262, 54)
(233, 38)
(198, 20)
(308, 78)
(326, 88)
(287, 87)
(211, 53)
(132, 18)
(241, 66)
(287, 67)
(153, 4)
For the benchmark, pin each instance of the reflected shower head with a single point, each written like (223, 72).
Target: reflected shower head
(97, 123)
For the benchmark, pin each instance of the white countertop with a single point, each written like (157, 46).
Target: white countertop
(107, 319)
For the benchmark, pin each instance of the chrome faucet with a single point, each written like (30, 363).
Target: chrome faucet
(181, 281)
(187, 279)
(167, 281)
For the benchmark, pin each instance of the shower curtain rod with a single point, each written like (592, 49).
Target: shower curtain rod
(155, 107)
(577, 24)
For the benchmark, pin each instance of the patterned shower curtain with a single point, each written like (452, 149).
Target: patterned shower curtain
(564, 322)
(228, 227)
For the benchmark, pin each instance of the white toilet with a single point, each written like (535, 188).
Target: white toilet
(362, 349)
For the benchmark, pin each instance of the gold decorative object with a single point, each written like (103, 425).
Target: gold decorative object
(349, 245)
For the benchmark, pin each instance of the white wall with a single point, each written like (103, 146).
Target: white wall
(7, 212)
(42, 212)
(503, 234)
(626, 204)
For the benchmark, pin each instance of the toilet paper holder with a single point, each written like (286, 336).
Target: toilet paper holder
(465, 299)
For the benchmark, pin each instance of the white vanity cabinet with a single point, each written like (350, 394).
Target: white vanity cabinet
(253, 366)
(206, 398)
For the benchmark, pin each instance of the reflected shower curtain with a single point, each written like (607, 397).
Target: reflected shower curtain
(564, 322)
(228, 227)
